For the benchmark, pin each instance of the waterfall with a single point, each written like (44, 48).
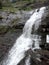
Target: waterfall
(25, 41)
(27, 61)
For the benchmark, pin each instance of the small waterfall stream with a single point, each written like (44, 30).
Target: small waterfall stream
(27, 61)
(25, 41)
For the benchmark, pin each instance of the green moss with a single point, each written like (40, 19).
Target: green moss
(14, 22)
(9, 9)
(3, 29)
(19, 5)
(28, 8)
(12, 30)
(0, 5)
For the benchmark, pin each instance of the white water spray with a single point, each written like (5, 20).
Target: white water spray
(24, 42)
(27, 61)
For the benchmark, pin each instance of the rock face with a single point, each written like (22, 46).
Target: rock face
(13, 21)
(7, 18)
(11, 26)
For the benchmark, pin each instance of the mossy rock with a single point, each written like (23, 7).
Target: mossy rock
(15, 21)
(3, 29)
(1, 17)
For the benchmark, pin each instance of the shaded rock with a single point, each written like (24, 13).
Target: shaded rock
(11, 27)
(3, 29)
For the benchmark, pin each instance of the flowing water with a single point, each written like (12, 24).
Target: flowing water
(26, 40)
(27, 61)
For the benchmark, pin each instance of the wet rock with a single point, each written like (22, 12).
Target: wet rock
(20, 16)
(3, 29)
(11, 26)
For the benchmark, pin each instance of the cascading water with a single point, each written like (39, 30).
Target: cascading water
(27, 61)
(25, 41)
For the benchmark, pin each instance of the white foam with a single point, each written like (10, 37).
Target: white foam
(25, 41)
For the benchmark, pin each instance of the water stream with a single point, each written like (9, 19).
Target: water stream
(25, 41)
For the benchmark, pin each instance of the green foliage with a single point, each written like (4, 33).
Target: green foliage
(0, 4)
(9, 9)
(19, 4)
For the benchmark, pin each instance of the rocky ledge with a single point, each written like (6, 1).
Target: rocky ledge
(11, 25)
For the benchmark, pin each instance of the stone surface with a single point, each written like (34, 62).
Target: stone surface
(11, 26)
